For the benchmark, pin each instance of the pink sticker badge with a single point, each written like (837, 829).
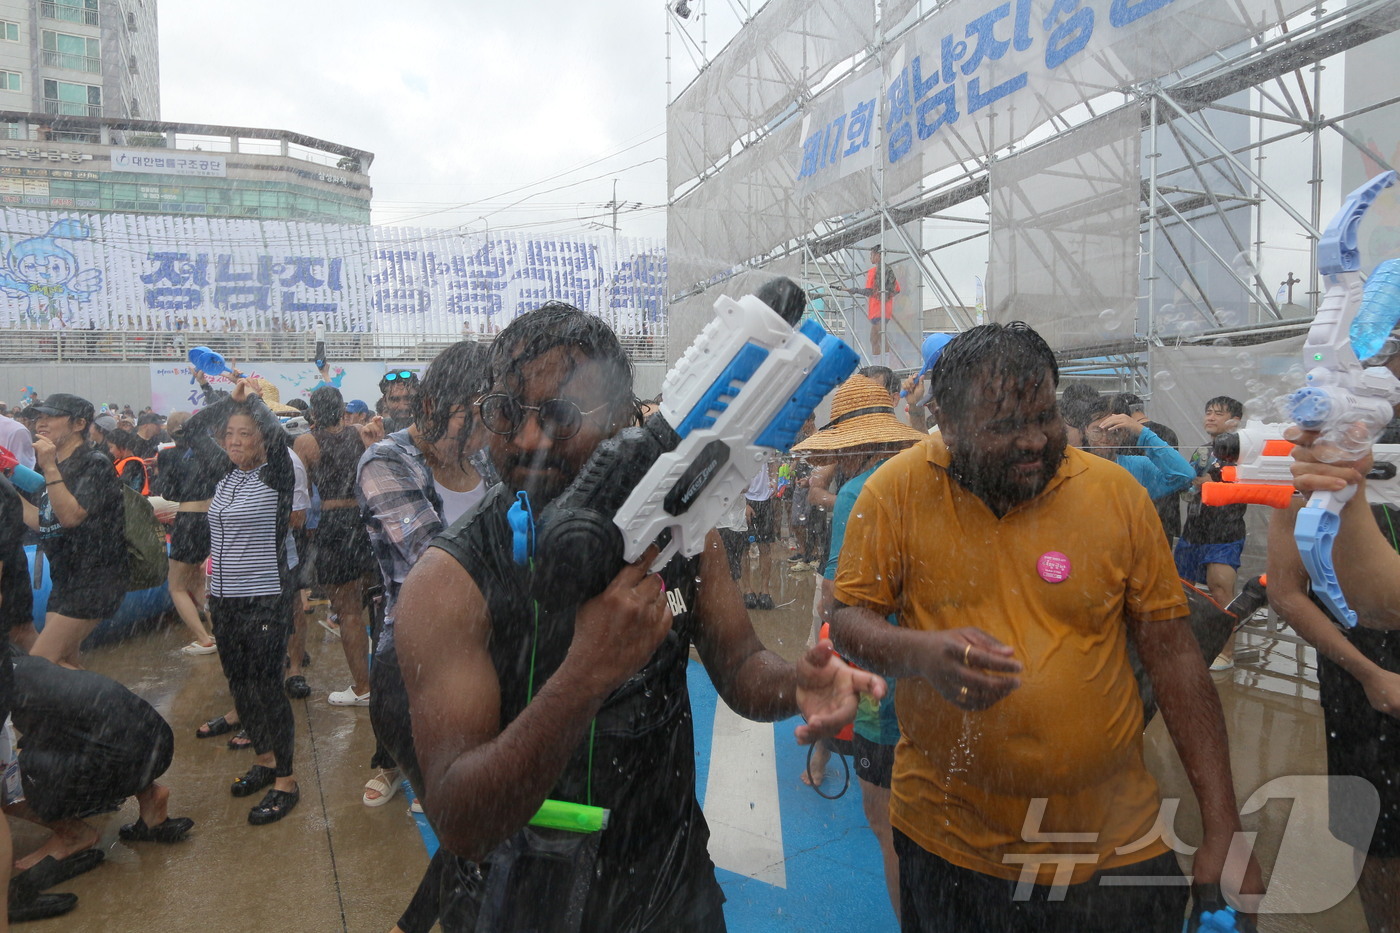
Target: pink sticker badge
(1053, 567)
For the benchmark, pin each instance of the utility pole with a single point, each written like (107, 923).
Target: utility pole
(1290, 282)
(614, 206)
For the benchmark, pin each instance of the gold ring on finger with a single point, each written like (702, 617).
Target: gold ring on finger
(962, 692)
(967, 650)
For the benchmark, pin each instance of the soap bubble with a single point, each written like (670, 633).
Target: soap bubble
(1244, 265)
(1110, 319)
(1220, 342)
(1164, 380)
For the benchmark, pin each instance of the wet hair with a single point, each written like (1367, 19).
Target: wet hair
(122, 439)
(457, 376)
(883, 375)
(299, 404)
(1013, 352)
(1233, 407)
(1125, 403)
(1078, 404)
(327, 407)
(558, 324)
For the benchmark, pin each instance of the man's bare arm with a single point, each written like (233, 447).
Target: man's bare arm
(758, 684)
(1191, 709)
(1368, 568)
(1289, 598)
(483, 783)
(754, 682)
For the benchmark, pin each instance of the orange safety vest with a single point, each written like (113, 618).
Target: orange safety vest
(876, 309)
(145, 472)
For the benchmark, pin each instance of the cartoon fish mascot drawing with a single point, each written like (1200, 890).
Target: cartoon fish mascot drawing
(45, 280)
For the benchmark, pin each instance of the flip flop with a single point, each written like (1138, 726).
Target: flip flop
(240, 741)
(50, 871)
(174, 829)
(325, 624)
(215, 727)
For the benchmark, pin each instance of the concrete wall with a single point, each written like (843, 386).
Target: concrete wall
(124, 383)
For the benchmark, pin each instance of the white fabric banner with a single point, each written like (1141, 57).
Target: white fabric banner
(161, 272)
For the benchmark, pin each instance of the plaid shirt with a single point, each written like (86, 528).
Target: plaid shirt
(402, 510)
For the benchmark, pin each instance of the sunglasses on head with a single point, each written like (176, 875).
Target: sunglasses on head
(401, 374)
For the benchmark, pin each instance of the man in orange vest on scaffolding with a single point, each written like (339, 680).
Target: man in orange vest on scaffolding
(880, 286)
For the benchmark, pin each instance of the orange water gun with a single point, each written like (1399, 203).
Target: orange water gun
(1257, 470)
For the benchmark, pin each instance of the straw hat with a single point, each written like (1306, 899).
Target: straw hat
(861, 414)
(271, 397)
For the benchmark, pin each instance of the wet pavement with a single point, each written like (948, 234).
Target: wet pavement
(789, 860)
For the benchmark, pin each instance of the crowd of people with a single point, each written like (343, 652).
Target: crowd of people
(1005, 565)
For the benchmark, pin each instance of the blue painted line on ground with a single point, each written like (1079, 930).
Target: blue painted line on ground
(835, 879)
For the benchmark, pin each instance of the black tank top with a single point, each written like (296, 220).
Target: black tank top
(334, 475)
(653, 865)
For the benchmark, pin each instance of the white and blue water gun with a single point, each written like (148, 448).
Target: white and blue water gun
(1347, 401)
(739, 394)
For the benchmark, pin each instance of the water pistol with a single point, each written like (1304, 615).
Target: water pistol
(739, 393)
(1211, 914)
(320, 335)
(208, 362)
(1257, 460)
(24, 478)
(1345, 400)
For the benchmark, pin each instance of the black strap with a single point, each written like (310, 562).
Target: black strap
(873, 410)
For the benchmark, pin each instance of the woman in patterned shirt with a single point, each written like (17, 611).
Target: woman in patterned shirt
(413, 485)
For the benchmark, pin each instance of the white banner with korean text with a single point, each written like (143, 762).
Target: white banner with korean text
(164, 272)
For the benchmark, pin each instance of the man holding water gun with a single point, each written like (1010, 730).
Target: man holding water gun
(518, 704)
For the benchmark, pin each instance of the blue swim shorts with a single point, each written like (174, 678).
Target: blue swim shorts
(1191, 559)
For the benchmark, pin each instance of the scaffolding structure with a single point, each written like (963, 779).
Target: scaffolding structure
(1220, 201)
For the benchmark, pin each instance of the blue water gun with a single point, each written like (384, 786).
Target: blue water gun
(208, 362)
(739, 394)
(22, 476)
(1211, 914)
(1347, 401)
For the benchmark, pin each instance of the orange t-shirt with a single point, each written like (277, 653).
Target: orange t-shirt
(923, 547)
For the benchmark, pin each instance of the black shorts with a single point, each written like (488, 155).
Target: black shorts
(736, 545)
(189, 537)
(1365, 743)
(763, 526)
(874, 762)
(342, 547)
(937, 896)
(80, 599)
(65, 783)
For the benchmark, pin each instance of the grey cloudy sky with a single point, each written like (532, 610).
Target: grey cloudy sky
(461, 102)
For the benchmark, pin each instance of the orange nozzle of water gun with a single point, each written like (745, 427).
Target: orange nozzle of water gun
(1275, 496)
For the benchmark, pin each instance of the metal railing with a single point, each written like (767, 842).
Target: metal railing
(72, 61)
(71, 108)
(145, 346)
(68, 12)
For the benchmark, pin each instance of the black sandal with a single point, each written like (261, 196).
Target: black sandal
(296, 686)
(275, 805)
(258, 777)
(174, 829)
(215, 727)
(240, 741)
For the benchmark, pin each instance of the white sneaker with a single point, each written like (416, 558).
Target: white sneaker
(195, 647)
(348, 697)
